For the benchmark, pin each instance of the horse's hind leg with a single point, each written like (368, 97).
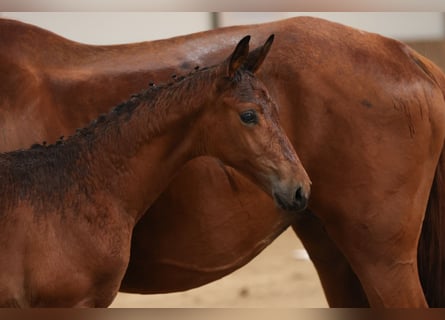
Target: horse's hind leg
(379, 237)
(340, 284)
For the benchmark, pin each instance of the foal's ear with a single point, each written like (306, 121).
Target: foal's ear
(256, 57)
(238, 56)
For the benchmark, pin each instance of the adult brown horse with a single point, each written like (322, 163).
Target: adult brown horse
(365, 113)
(68, 210)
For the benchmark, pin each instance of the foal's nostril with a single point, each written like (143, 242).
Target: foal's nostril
(298, 202)
(300, 198)
(299, 194)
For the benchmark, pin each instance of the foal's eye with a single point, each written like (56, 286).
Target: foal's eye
(249, 117)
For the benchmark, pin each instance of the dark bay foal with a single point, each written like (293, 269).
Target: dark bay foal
(67, 210)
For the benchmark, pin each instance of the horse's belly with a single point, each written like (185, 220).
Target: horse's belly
(203, 227)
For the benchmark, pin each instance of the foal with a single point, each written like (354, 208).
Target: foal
(67, 210)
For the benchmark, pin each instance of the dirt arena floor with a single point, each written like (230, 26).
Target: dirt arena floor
(276, 278)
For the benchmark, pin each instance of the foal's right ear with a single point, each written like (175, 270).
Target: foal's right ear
(257, 56)
(238, 56)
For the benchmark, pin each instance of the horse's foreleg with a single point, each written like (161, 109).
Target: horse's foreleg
(340, 284)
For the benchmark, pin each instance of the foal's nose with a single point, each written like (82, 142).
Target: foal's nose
(300, 199)
(296, 201)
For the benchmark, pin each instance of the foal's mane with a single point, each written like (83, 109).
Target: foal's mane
(160, 101)
(180, 89)
(45, 173)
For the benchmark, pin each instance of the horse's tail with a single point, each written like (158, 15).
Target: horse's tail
(431, 250)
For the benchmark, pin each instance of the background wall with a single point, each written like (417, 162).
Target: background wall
(115, 27)
(399, 25)
(425, 31)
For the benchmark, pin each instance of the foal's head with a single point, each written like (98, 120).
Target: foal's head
(243, 130)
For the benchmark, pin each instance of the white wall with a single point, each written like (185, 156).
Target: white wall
(225, 5)
(121, 27)
(116, 27)
(399, 25)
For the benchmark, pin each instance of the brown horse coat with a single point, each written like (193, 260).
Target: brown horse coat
(365, 114)
(67, 211)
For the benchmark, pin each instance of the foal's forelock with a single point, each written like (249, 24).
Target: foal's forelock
(252, 90)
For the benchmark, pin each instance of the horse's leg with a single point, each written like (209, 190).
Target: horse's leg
(371, 197)
(340, 284)
(380, 242)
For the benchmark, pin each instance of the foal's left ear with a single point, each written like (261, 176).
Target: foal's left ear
(238, 56)
(256, 57)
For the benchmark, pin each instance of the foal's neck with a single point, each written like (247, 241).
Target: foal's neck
(152, 136)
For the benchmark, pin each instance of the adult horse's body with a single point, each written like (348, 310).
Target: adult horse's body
(67, 210)
(365, 113)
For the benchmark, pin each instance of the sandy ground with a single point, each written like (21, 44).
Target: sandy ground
(274, 279)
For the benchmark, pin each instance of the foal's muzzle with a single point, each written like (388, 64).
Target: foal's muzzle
(297, 202)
